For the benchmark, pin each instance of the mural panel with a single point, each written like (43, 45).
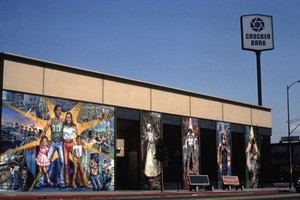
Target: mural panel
(190, 149)
(252, 157)
(223, 151)
(151, 132)
(51, 144)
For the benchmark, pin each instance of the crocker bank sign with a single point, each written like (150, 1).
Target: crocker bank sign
(257, 32)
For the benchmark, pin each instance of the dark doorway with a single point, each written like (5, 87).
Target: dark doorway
(127, 167)
(266, 174)
(208, 161)
(173, 173)
(238, 158)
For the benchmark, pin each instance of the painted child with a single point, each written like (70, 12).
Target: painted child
(78, 151)
(42, 159)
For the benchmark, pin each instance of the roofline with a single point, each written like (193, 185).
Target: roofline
(72, 69)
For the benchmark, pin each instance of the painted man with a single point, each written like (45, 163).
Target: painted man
(56, 126)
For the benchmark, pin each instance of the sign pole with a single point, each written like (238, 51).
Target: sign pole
(259, 91)
(257, 36)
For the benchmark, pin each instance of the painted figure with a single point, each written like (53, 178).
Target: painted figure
(104, 167)
(252, 154)
(91, 139)
(42, 159)
(152, 166)
(107, 180)
(56, 144)
(191, 146)
(69, 131)
(78, 150)
(94, 173)
(224, 154)
(101, 140)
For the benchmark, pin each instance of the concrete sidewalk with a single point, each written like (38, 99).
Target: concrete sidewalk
(134, 194)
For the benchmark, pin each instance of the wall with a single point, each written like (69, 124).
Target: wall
(50, 79)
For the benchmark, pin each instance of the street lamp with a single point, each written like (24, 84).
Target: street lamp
(290, 132)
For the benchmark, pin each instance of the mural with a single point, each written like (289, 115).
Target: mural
(151, 132)
(252, 157)
(190, 149)
(223, 151)
(51, 144)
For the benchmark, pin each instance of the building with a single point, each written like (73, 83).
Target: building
(280, 161)
(121, 120)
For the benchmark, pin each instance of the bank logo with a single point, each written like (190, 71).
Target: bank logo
(257, 24)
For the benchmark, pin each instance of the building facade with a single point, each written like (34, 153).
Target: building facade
(280, 162)
(117, 124)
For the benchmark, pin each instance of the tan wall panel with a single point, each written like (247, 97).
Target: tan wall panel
(72, 86)
(261, 118)
(22, 77)
(236, 114)
(29, 79)
(126, 95)
(207, 109)
(168, 102)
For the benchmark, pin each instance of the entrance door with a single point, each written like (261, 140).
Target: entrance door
(238, 158)
(173, 173)
(127, 167)
(208, 152)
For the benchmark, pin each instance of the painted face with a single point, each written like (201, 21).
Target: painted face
(58, 112)
(79, 140)
(223, 138)
(44, 142)
(150, 128)
(68, 118)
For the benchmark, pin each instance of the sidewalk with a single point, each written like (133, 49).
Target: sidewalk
(133, 194)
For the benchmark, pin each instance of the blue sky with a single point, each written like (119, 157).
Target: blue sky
(193, 45)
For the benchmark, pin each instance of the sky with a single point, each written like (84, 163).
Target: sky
(193, 45)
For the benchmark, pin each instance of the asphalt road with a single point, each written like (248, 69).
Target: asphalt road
(218, 197)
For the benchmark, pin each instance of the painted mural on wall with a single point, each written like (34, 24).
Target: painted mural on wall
(190, 149)
(223, 151)
(151, 132)
(51, 144)
(252, 157)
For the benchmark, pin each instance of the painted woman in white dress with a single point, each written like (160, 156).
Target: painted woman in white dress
(152, 166)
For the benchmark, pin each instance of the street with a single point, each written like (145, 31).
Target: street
(282, 195)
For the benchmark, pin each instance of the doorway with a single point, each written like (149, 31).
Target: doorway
(173, 173)
(238, 156)
(208, 152)
(127, 166)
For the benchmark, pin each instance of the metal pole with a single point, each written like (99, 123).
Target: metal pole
(289, 133)
(289, 138)
(259, 91)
